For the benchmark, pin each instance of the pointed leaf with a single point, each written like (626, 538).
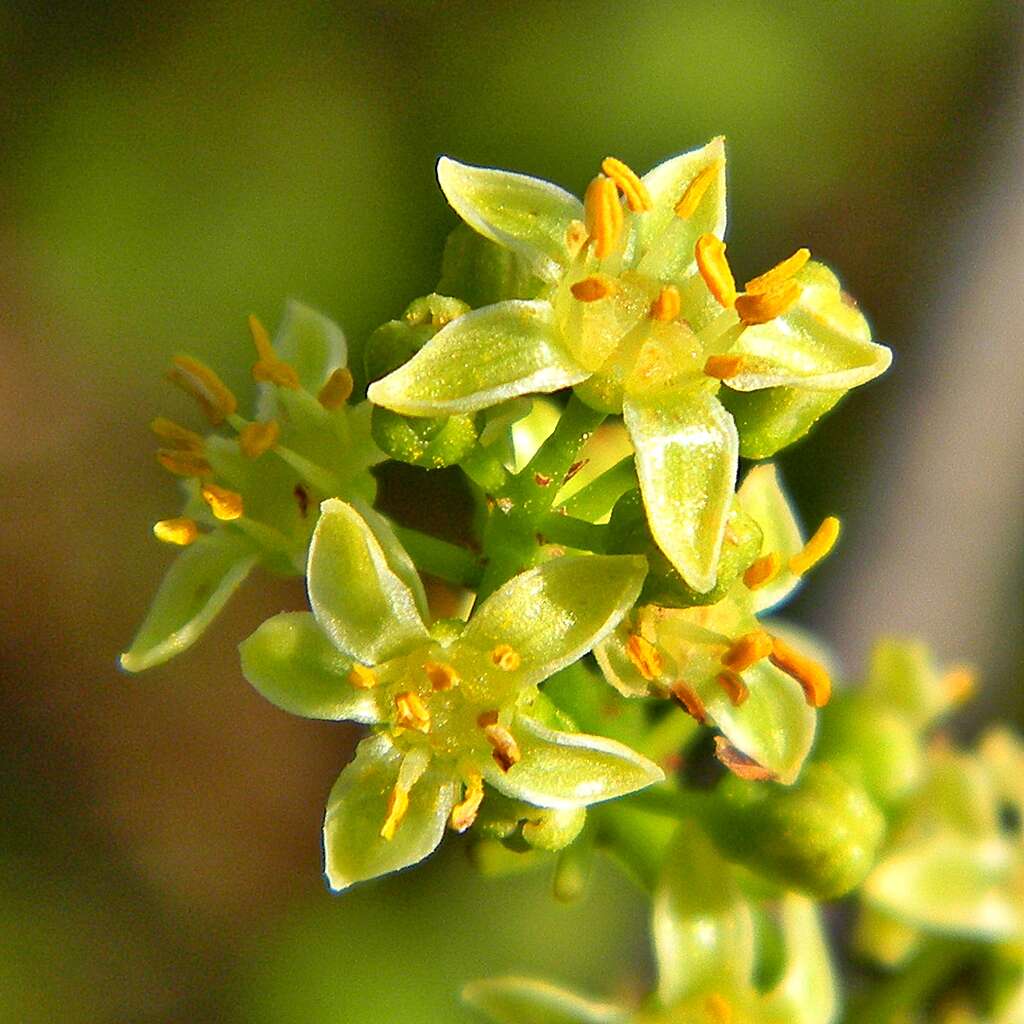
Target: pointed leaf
(561, 769)
(354, 849)
(528, 215)
(686, 457)
(193, 591)
(290, 660)
(526, 1001)
(360, 600)
(480, 359)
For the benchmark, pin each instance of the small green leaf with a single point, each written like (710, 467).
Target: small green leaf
(193, 591)
(686, 458)
(562, 769)
(359, 589)
(292, 663)
(354, 849)
(526, 1001)
(527, 215)
(703, 929)
(480, 359)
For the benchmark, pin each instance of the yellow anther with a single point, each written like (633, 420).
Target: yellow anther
(690, 199)
(959, 684)
(723, 367)
(667, 305)
(464, 812)
(362, 677)
(638, 199)
(645, 656)
(780, 272)
(760, 307)
(257, 438)
(602, 212)
(762, 571)
(411, 712)
(441, 676)
(176, 531)
(184, 463)
(719, 1009)
(506, 658)
(505, 750)
(747, 650)
(824, 539)
(735, 688)
(593, 288)
(398, 805)
(224, 504)
(690, 700)
(268, 366)
(177, 437)
(197, 379)
(811, 676)
(715, 270)
(337, 390)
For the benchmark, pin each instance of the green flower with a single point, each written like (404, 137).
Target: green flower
(252, 499)
(452, 708)
(639, 312)
(722, 663)
(712, 946)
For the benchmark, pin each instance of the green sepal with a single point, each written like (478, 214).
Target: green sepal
(775, 418)
(290, 661)
(481, 272)
(194, 589)
(429, 442)
(527, 1001)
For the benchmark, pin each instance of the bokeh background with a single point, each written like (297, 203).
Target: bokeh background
(168, 168)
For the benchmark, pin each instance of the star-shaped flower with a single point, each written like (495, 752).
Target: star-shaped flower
(252, 499)
(638, 310)
(453, 707)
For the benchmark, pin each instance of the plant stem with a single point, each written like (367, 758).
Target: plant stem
(573, 533)
(440, 558)
(599, 496)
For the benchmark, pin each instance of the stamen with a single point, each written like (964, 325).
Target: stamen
(735, 688)
(441, 676)
(464, 812)
(486, 718)
(575, 237)
(690, 699)
(747, 650)
(337, 390)
(178, 437)
(811, 676)
(715, 270)
(645, 656)
(959, 684)
(690, 199)
(629, 184)
(198, 380)
(781, 272)
(762, 570)
(257, 438)
(719, 1009)
(506, 751)
(398, 805)
(506, 658)
(269, 367)
(602, 212)
(224, 504)
(176, 531)
(666, 306)
(724, 367)
(824, 539)
(362, 677)
(760, 307)
(739, 764)
(184, 463)
(592, 288)
(412, 713)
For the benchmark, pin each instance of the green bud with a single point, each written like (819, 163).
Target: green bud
(482, 272)
(629, 533)
(431, 442)
(554, 829)
(819, 836)
(774, 418)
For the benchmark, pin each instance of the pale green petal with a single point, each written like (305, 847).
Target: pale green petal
(703, 929)
(904, 677)
(195, 588)
(359, 598)
(480, 359)
(561, 769)
(527, 1001)
(354, 849)
(553, 614)
(686, 457)
(290, 660)
(618, 667)
(528, 215)
(398, 559)
(762, 497)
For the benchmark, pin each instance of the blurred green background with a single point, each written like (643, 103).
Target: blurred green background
(170, 167)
